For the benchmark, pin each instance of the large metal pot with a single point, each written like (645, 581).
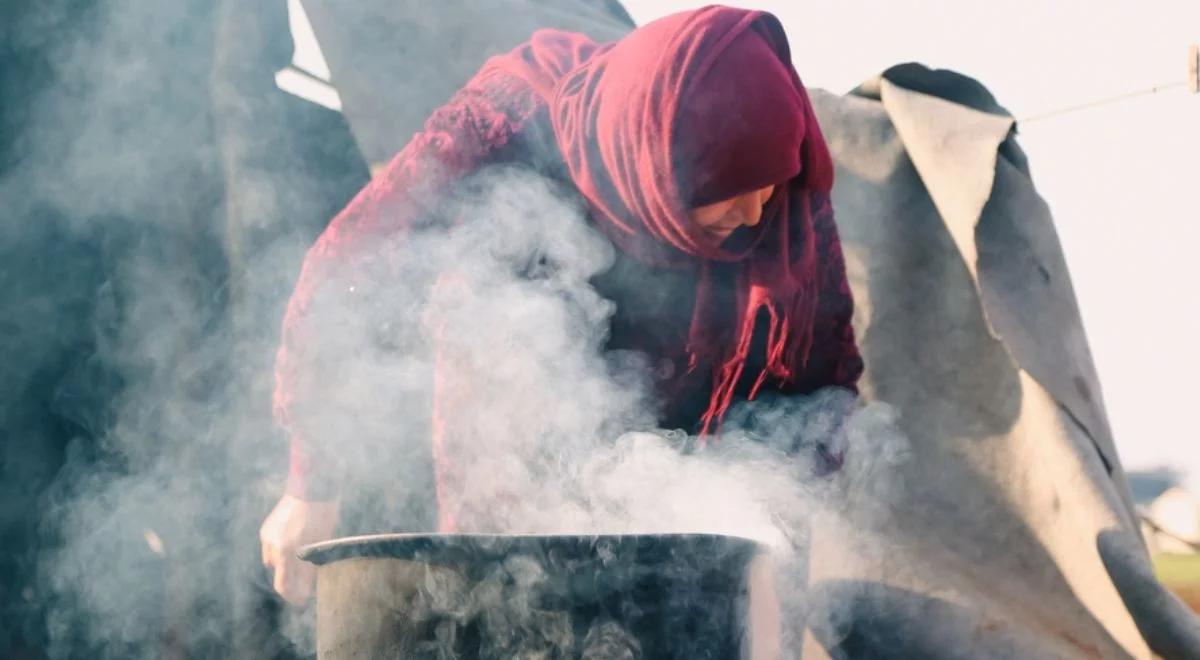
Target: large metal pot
(498, 596)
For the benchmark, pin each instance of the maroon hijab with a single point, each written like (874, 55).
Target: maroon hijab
(695, 108)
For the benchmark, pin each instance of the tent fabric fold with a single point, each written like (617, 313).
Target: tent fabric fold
(1013, 490)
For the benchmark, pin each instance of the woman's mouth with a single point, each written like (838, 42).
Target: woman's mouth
(720, 232)
(724, 229)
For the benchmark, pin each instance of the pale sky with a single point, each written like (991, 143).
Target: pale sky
(1123, 180)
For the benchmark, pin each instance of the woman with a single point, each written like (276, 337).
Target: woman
(694, 145)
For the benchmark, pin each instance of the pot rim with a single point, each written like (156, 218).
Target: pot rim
(421, 546)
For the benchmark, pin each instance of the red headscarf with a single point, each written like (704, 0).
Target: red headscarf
(692, 109)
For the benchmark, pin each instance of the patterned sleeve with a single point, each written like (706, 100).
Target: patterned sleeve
(334, 388)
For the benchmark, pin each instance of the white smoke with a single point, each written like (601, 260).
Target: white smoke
(147, 543)
(551, 435)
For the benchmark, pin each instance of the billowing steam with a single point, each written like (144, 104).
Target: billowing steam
(546, 432)
(147, 545)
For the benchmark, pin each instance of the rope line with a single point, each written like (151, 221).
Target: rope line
(1104, 101)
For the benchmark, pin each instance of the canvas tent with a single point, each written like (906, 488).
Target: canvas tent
(426, 51)
(1015, 520)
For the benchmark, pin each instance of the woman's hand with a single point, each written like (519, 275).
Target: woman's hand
(292, 524)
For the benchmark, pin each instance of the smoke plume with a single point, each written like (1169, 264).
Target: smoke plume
(140, 349)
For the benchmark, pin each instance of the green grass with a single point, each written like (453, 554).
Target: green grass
(1178, 570)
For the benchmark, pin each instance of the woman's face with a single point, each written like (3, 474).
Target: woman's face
(719, 220)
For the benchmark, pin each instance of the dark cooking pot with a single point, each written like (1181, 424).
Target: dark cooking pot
(499, 596)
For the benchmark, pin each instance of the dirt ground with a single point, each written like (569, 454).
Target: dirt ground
(1181, 574)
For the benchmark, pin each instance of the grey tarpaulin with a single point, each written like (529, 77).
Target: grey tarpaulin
(1011, 527)
(1010, 532)
(427, 50)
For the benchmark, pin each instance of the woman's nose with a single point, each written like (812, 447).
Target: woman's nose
(752, 205)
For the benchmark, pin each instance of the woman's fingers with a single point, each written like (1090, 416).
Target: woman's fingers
(268, 540)
(294, 579)
(266, 550)
(291, 525)
(280, 582)
(272, 555)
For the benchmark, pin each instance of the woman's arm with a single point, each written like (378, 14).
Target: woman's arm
(355, 272)
(350, 321)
